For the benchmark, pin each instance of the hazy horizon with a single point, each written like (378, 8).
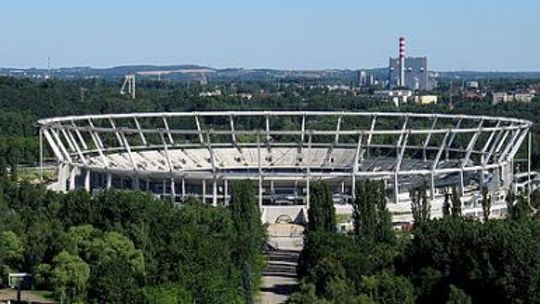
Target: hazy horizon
(258, 68)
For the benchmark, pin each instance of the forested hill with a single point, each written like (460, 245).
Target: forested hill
(199, 73)
(190, 73)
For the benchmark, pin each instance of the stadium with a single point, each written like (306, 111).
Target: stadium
(200, 154)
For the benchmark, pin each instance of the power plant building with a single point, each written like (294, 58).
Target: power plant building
(409, 72)
(416, 75)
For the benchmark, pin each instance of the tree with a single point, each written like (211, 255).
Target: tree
(117, 269)
(339, 291)
(42, 276)
(458, 296)
(510, 200)
(446, 205)
(129, 241)
(385, 230)
(535, 201)
(166, 294)
(420, 205)
(196, 234)
(388, 288)
(321, 213)
(456, 203)
(306, 294)
(521, 210)
(250, 236)
(486, 204)
(429, 285)
(11, 253)
(11, 248)
(78, 240)
(372, 220)
(477, 256)
(70, 277)
(364, 211)
(14, 156)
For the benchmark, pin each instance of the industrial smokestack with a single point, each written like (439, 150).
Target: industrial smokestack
(401, 61)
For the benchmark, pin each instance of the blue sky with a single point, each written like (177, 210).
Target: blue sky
(494, 35)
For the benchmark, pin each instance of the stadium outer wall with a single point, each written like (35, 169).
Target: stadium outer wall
(199, 154)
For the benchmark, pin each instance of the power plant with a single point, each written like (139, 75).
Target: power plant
(402, 62)
(409, 72)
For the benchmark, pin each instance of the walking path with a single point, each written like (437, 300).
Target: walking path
(279, 279)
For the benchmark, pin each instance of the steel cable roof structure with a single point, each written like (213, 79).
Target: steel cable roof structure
(197, 154)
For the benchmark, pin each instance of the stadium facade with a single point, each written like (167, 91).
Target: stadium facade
(200, 154)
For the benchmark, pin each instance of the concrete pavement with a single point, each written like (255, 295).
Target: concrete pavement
(279, 279)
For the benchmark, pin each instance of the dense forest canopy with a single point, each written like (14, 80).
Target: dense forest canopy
(129, 247)
(118, 246)
(448, 260)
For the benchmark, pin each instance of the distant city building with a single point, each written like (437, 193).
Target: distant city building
(472, 94)
(534, 88)
(364, 79)
(510, 97)
(340, 87)
(426, 99)
(472, 91)
(472, 85)
(416, 74)
(244, 95)
(397, 97)
(214, 93)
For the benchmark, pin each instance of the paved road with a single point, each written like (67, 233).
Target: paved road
(279, 279)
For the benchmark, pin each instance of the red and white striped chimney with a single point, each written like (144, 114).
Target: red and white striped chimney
(402, 61)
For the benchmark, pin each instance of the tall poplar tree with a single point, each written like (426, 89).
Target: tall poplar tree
(321, 213)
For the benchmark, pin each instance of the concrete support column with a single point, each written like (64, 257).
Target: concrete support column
(461, 183)
(214, 192)
(307, 193)
(173, 190)
(353, 187)
(72, 177)
(260, 193)
(204, 191)
(108, 184)
(183, 188)
(396, 188)
(87, 180)
(432, 186)
(135, 183)
(164, 186)
(225, 192)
